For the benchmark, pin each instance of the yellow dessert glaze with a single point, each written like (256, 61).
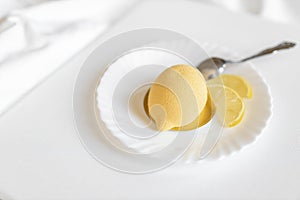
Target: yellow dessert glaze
(177, 97)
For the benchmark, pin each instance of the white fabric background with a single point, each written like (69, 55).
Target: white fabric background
(45, 36)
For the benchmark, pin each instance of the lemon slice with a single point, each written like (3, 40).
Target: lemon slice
(229, 105)
(237, 83)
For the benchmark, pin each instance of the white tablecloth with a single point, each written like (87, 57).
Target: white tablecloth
(42, 158)
(45, 37)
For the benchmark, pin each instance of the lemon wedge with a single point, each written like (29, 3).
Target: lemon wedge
(229, 105)
(237, 83)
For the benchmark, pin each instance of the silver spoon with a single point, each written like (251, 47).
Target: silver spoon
(214, 66)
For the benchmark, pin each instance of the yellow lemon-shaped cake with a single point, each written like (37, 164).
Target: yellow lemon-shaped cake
(177, 97)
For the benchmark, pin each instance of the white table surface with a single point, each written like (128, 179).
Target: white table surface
(42, 158)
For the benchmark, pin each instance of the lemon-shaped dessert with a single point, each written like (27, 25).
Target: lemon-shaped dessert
(177, 97)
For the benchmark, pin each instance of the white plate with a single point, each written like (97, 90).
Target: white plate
(138, 68)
